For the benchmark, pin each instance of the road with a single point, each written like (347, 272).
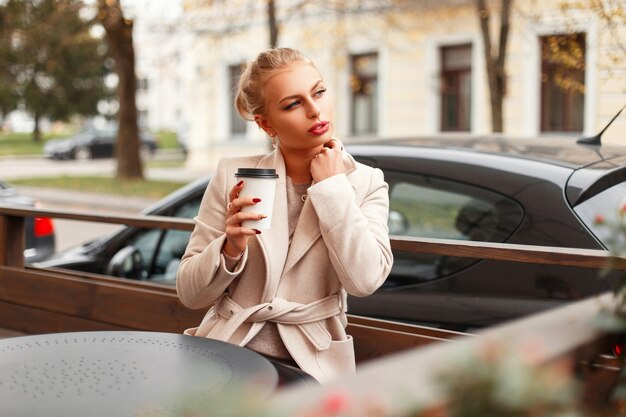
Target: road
(12, 168)
(16, 168)
(70, 233)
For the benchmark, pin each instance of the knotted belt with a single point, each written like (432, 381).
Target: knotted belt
(305, 317)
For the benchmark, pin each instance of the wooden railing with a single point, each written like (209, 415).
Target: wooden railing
(34, 300)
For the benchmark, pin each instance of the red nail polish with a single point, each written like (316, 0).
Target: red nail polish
(239, 183)
(258, 232)
(256, 200)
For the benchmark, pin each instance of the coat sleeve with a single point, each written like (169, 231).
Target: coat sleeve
(203, 276)
(356, 234)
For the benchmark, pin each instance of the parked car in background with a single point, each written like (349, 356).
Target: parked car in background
(94, 143)
(533, 192)
(40, 238)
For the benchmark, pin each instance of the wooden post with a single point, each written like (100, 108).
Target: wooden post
(12, 240)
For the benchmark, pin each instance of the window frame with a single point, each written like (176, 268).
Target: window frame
(460, 111)
(373, 99)
(237, 127)
(568, 118)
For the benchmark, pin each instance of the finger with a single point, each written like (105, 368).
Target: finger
(242, 231)
(334, 144)
(234, 192)
(240, 202)
(233, 207)
(241, 216)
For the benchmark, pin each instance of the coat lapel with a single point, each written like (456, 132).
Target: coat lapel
(279, 255)
(275, 240)
(308, 229)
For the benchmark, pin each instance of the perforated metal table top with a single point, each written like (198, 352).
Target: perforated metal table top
(123, 373)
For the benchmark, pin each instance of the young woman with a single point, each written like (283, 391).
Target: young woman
(282, 292)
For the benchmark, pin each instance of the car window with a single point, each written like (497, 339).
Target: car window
(422, 206)
(146, 242)
(173, 245)
(162, 249)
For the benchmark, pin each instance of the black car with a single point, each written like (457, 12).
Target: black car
(40, 238)
(533, 192)
(94, 143)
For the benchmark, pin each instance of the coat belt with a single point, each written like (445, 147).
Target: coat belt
(305, 317)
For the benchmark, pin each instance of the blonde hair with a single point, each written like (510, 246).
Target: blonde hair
(249, 99)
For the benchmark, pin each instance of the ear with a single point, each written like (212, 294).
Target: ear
(264, 124)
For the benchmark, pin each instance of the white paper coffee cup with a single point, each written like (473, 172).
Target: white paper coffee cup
(258, 183)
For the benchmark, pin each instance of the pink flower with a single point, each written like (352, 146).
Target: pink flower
(335, 403)
(599, 219)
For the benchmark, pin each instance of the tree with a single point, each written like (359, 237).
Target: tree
(611, 17)
(8, 99)
(119, 34)
(49, 61)
(495, 58)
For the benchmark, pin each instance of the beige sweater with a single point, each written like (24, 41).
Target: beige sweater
(268, 341)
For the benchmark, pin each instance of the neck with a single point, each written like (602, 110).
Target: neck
(298, 164)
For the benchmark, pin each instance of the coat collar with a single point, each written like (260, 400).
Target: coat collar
(280, 256)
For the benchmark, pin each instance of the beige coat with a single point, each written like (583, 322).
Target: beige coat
(341, 244)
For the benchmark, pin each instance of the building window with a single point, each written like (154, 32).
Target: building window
(142, 117)
(364, 87)
(237, 124)
(456, 88)
(142, 83)
(562, 82)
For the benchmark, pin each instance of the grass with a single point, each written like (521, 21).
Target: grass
(167, 139)
(104, 185)
(21, 144)
(15, 144)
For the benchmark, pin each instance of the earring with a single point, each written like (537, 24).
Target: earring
(274, 143)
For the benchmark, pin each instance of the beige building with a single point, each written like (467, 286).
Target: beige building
(409, 68)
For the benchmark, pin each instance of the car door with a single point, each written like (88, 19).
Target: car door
(420, 287)
(161, 250)
(103, 144)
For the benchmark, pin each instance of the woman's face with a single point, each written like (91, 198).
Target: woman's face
(299, 111)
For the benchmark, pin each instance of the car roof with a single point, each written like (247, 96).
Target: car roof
(191, 189)
(554, 150)
(584, 170)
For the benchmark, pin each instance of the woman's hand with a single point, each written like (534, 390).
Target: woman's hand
(236, 235)
(328, 162)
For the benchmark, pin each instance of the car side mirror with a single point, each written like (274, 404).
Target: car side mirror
(127, 263)
(398, 223)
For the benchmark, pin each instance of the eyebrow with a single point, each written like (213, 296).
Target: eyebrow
(297, 95)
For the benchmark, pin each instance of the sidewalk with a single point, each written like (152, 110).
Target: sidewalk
(52, 198)
(28, 166)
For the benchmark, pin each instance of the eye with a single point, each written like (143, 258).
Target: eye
(320, 93)
(292, 105)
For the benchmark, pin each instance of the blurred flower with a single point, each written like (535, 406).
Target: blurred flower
(504, 383)
(336, 402)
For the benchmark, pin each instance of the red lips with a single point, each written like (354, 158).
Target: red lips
(319, 128)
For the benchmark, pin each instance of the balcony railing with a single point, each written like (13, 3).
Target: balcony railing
(36, 300)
